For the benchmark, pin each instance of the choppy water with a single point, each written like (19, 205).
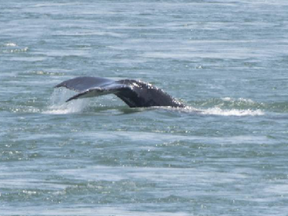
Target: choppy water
(97, 156)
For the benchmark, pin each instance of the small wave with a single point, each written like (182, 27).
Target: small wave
(230, 107)
(227, 102)
(232, 112)
(45, 73)
(55, 4)
(20, 50)
(10, 45)
(243, 100)
(59, 106)
(23, 109)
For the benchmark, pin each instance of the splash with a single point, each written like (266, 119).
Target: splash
(59, 106)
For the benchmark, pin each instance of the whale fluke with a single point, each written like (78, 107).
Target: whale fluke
(133, 92)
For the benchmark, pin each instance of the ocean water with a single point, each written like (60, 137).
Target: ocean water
(227, 59)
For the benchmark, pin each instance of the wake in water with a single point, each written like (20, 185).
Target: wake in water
(232, 112)
(217, 111)
(231, 107)
(59, 106)
(238, 107)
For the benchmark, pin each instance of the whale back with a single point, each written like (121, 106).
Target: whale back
(141, 94)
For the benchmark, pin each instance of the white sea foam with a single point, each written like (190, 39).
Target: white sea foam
(218, 111)
(221, 111)
(232, 112)
(25, 49)
(59, 106)
(10, 44)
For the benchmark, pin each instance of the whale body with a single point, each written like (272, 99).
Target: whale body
(134, 93)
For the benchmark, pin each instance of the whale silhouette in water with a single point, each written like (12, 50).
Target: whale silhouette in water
(134, 93)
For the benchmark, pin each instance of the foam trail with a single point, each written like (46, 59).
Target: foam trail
(59, 106)
(232, 112)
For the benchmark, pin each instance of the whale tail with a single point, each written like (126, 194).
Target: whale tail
(134, 93)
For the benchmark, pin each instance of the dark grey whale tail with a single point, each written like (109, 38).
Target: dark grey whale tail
(134, 93)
